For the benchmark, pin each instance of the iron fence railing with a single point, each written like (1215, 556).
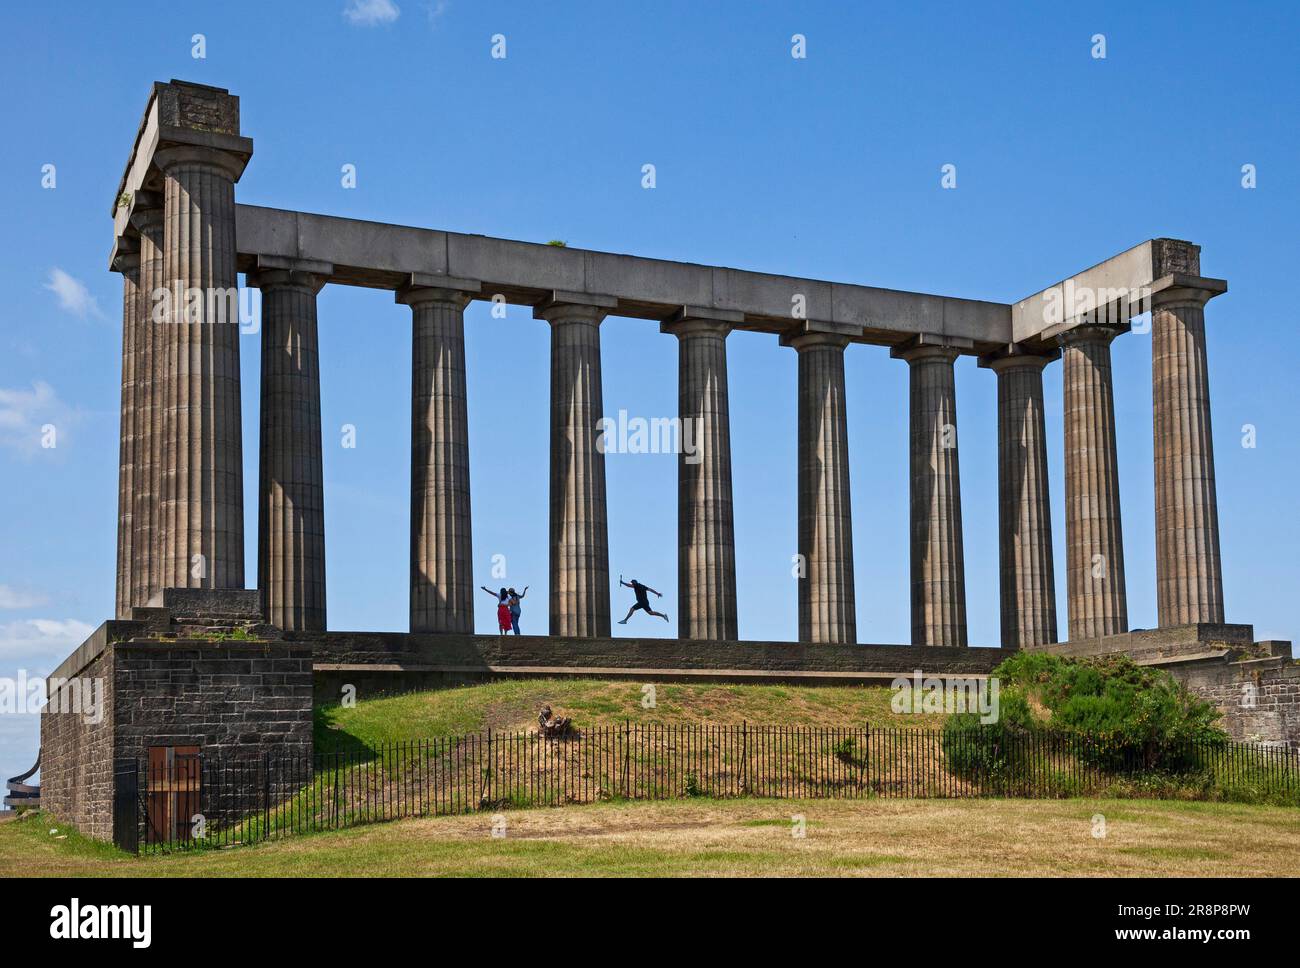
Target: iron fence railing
(210, 801)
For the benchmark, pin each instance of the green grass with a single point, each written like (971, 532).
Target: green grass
(513, 705)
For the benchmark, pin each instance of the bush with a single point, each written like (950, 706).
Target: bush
(1109, 714)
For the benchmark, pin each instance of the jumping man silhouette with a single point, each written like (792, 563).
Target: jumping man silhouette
(642, 599)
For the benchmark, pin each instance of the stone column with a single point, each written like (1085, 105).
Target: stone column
(128, 263)
(147, 546)
(938, 566)
(1093, 535)
(827, 610)
(1027, 578)
(706, 539)
(291, 499)
(202, 480)
(442, 553)
(579, 561)
(1189, 573)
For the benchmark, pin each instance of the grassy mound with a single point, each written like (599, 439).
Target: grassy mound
(512, 706)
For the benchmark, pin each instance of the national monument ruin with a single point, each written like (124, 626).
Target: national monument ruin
(193, 659)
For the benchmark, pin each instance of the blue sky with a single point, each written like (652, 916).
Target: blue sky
(827, 167)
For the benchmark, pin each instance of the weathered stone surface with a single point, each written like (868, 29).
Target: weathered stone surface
(1026, 571)
(1093, 534)
(706, 540)
(938, 569)
(1189, 573)
(202, 481)
(233, 700)
(128, 440)
(827, 608)
(291, 498)
(147, 542)
(579, 562)
(442, 557)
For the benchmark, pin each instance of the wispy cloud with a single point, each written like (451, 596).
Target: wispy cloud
(370, 13)
(37, 641)
(73, 295)
(24, 415)
(14, 598)
(435, 10)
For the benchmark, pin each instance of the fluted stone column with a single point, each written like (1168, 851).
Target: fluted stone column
(127, 263)
(1093, 534)
(579, 561)
(148, 540)
(706, 539)
(827, 609)
(1026, 574)
(291, 498)
(202, 481)
(442, 554)
(1189, 573)
(938, 566)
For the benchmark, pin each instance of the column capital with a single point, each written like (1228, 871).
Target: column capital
(275, 272)
(1013, 357)
(565, 306)
(1180, 289)
(700, 321)
(126, 260)
(426, 287)
(1091, 333)
(265, 279)
(228, 162)
(147, 218)
(807, 341)
(932, 348)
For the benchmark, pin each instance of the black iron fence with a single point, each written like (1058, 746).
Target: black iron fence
(207, 801)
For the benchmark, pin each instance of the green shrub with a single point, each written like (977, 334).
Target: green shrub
(1077, 718)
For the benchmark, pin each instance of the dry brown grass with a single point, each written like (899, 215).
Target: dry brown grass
(745, 838)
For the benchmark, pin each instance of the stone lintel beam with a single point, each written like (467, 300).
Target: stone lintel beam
(382, 256)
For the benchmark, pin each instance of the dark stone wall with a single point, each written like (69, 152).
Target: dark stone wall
(77, 753)
(230, 699)
(235, 700)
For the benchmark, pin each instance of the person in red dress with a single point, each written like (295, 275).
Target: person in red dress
(504, 619)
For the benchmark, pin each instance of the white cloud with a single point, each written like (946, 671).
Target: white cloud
(39, 644)
(25, 413)
(40, 636)
(73, 295)
(13, 598)
(370, 13)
